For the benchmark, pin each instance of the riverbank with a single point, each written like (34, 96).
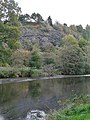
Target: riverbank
(81, 112)
(77, 108)
(32, 73)
(10, 80)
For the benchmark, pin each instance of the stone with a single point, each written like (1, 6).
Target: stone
(41, 36)
(36, 115)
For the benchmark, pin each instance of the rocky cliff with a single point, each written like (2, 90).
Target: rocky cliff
(44, 35)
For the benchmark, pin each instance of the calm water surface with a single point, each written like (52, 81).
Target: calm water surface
(16, 99)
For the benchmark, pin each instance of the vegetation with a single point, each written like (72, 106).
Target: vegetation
(78, 113)
(79, 109)
(70, 56)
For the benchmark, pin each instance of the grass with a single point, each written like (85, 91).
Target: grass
(79, 109)
(81, 112)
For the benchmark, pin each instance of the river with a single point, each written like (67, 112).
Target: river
(16, 99)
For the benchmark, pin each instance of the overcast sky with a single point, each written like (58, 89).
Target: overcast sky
(65, 11)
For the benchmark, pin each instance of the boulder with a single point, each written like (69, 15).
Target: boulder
(36, 115)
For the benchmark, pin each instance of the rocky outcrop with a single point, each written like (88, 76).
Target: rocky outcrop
(41, 35)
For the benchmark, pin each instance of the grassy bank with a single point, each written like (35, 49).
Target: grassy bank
(79, 109)
(81, 112)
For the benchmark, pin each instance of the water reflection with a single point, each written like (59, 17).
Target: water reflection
(18, 98)
(34, 89)
(1, 117)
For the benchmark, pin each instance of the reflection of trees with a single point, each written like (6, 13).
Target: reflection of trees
(34, 89)
(74, 86)
(7, 93)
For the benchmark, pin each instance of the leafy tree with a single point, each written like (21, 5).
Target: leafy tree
(24, 18)
(9, 11)
(9, 41)
(73, 27)
(58, 26)
(82, 43)
(49, 58)
(88, 59)
(66, 29)
(73, 60)
(70, 40)
(79, 28)
(37, 17)
(35, 60)
(9, 35)
(9, 29)
(20, 58)
(86, 33)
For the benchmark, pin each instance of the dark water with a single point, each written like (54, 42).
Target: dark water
(16, 99)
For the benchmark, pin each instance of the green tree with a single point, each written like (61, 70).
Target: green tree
(83, 44)
(37, 17)
(70, 40)
(88, 58)
(35, 60)
(20, 58)
(24, 18)
(9, 41)
(73, 60)
(9, 11)
(86, 33)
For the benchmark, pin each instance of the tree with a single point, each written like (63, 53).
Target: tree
(20, 57)
(49, 21)
(83, 43)
(73, 60)
(88, 59)
(37, 17)
(9, 30)
(79, 28)
(86, 33)
(9, 41)
(9, 11)
(73, 28)
(24, 18)
(70, 40)
(35, 60)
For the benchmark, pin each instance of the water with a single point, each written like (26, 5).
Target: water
(16, 99)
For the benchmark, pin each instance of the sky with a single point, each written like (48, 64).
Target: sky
(65, 11)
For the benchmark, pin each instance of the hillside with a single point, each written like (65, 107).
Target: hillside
(41, 48)
(43, 35)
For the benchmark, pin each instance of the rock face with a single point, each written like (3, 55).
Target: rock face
(36, 115)
(41, 35)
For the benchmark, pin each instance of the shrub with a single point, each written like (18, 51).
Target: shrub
(35, 73)
(14, 72)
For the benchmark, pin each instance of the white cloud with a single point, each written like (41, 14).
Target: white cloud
(65, 11)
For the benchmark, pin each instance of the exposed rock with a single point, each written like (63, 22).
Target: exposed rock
(41, 35)
(36, 115)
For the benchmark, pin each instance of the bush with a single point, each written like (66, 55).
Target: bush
(14, 72)
(35, 73)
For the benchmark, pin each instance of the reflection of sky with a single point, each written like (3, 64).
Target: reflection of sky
(65, 11)
(1, 117)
